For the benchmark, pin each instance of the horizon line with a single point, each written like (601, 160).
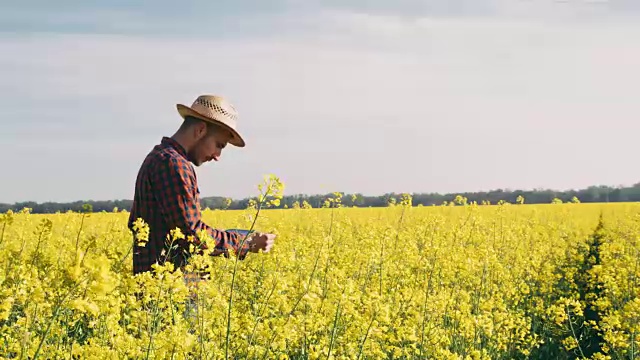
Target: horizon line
(539, 189)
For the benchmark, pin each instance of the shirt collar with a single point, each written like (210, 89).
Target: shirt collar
(167, 141)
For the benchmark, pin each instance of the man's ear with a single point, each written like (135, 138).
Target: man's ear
(200, 130)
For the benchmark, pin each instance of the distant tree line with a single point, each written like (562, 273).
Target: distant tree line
(537, 196)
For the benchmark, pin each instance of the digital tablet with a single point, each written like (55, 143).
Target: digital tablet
(241, 232)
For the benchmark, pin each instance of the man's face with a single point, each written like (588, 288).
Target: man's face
(209, 146)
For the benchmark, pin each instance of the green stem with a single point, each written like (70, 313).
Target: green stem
(381, 262)
(4, 226)
(35, 253)
(295, 306)
(79, 232)
(154, 321)
(233, 277)
(261, 313)
(53, 318)
(333, 331)
(366, 335)
(574, 334)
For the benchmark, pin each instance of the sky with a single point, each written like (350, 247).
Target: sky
(366, 96)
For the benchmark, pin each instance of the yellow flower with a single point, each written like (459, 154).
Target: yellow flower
(453, 282)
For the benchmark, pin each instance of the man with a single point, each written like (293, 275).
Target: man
(167, 193)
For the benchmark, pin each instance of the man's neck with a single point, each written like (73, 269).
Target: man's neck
(182, 141)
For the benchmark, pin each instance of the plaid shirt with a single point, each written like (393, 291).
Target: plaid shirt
(167, 197)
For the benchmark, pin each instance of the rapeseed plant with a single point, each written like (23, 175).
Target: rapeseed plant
(461, 281)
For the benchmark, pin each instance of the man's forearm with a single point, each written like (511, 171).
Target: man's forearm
(226, 240)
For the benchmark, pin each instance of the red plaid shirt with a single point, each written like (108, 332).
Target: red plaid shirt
(167, 197)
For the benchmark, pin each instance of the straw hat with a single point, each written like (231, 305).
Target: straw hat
(217, 110)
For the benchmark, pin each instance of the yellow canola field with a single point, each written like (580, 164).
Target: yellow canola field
(443, 282)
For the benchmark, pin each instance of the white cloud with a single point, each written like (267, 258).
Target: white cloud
(453, 105)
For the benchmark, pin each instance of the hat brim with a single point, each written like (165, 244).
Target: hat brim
(235, 140)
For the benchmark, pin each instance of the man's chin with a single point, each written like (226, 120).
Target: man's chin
(195, 161)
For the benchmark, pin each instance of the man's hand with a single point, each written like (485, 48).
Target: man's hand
(261, 241)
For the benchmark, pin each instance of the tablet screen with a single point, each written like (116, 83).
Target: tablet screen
(242, 232)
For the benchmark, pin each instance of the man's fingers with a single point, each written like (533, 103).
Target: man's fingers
(269, 244)
(264, 242)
